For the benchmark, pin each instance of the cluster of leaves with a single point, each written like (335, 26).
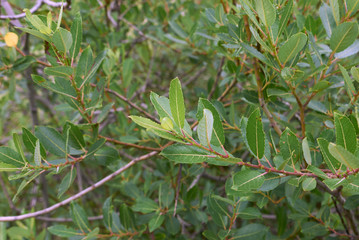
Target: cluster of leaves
(273, 136)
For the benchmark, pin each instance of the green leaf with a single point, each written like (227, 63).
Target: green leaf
(4, 167)
(218, 137)
(84, 65)
(334, 5)
(24, 183)
(29, 141)
(352, 202)
(155, 222)
(18, 146)
(250, 213)
(255, 53)
(317, 171)
(177, 102)
(59, 71)
(23, 63)
(292, 47)
(178, 30)
(326, 15)
(76, 137)
(63, 231)
(162, 106)
(37, 23)
(76, 32)
(247, 180)
(332, 163)
(306, 151)
(205, 128)
(345, 132)
(334, 183)
(255, 134)
(127, 217)
(37, 156)
(284, 17)
(344, 156)
(107, 210)
(61, 87)
(10, 157)
(49, 19)
(127, 69)
(343, 36)
(62, 40)
(35, 33)
(96, 146)
(266, 12)
(94, 67)
(186, 154)
(218, 210)
(165, 135)
(79, 217)
(51, 140)
(247, 7)
(309, 184)
(252, 231)
(145, 205)
(348, 81)
(66, 182)
(352, 6)
(147, 123)
(289, 146)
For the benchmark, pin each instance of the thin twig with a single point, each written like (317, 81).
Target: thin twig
(80, 194)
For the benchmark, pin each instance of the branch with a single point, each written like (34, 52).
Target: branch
(80, 194)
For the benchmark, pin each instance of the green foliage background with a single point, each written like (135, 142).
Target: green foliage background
(180, 120)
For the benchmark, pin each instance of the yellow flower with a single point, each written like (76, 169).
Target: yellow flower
(11, 39)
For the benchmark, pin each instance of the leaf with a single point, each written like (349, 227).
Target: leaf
(107, 210)
(292, 47)
(147, 123)
(247, 180)
(218, 210)
(84, 65)
(205, 128)
(255, 53)
(64, 88)
(345, 132)
(309, 184)
(343, 36)
(37, 156)
(145, 205)
(334, 183)
(165, 135)
(66, 182)
(352, 6)
(127, 217)
(332, 163)
(327, 18)
(289, 146)
(76, 32)
(178, 30)
(10, 157)
(348, 82)
(162, 106)
(266, 12)
(335, 9)
(247, 9)
(35, 33)
(59, 71)
(24, 183)
(96, 146)
(218, 137)
(344, 156)
(37, 23)
(127, 68)
(252, 231)
(94, 67)
(29, 141)
(255, 134)
(23, 63)
(284, 17)
(63, 231)
(185, 154)
(250, 213)
(18, 146)
(51, 140)
(177, 102)
(79, 217)
(306, 151)
(62, 40)
(352, 202)
(4, 167)
(155, 222)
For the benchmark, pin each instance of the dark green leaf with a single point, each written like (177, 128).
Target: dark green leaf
(66, 182)
(331, 162)
(266, 12)
(59, 71)
(292, 47)
(76, 32)
(247, 180)
(177, 102)
(93, 68)
(344, 156)
(345, 132)
(185, 154)
(51, 139)
(79, 217)
(255, 134)
(62, 40)
(343, 36)
(289, 146)
(63, 231)
(11, 157)
(155, 222)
